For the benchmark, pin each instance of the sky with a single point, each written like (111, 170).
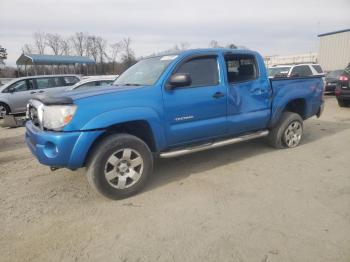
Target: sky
(270, 27)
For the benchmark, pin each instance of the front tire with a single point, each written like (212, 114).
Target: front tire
(119, 166)
(288, 132)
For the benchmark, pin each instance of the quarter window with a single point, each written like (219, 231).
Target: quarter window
(203, 71)
(318, 69)
(301, 71)
(105, 82)
(240, 68)
(88, 84)
(70, 80)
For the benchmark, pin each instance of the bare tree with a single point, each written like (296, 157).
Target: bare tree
(115, 51)
(27, 49)
(79, 43)
(3, 55)
(214, 44)
(92, 47)
(53, 41)
(65, 46)
(129, 55)
(40, 42)
(101, 47)
(232, 46)
(101, 50)
(184, 45)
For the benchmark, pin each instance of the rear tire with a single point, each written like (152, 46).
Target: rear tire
(342, 103)
(4, 110)
(288, 132)
(119, 166)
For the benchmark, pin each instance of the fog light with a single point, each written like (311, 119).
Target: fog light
(50, 150)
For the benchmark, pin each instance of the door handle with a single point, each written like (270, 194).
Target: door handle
(41, 91)
(258, 91)
(32, 92)
(218, 95)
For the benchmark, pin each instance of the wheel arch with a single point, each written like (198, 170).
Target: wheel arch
(7, 105)
(295, 105)
(138, 128)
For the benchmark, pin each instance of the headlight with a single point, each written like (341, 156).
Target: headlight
(56, 117)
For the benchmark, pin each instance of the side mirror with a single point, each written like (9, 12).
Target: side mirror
(295, 75)
(179, 80)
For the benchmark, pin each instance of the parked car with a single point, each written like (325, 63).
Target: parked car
(332, 80)
(15, 94)
(97, 76)
(92, 82)
(342, 90)
(300, 70)
(168, 106)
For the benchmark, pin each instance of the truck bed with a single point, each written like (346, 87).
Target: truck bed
(307, 91)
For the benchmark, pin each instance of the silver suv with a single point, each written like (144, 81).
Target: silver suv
(298, 70)
(15, 94)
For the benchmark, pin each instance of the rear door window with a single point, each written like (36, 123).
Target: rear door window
(49, 82)
(301, 71)
(240, 68)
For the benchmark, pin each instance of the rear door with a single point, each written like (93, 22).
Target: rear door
(198, 111)
(249, 94)
(21, 92)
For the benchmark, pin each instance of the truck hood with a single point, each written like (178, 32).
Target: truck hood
(98, 91)
(70, 97)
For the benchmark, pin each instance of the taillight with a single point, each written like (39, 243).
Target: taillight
(343, 78)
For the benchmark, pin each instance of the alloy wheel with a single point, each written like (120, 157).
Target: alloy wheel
(293, 133)
(124, 168)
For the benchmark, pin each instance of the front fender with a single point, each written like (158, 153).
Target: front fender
(118, 116)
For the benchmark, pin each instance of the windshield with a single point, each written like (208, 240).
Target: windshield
(280, 71)
(145, 72)
(334, 74)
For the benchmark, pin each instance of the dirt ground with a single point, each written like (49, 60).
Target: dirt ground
(245, 202)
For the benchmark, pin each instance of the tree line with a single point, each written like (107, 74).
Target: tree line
(118, 55)
(111, 58)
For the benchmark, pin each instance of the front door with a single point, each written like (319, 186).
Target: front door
(198, 111)
(20, 93)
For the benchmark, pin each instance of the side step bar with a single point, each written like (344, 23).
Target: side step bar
(203, 147)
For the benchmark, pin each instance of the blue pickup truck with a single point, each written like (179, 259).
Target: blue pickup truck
(168, 106)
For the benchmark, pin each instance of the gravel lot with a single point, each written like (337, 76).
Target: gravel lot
(245, 202)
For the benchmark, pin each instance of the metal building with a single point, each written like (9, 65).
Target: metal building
(334, 50)
(32, 61)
